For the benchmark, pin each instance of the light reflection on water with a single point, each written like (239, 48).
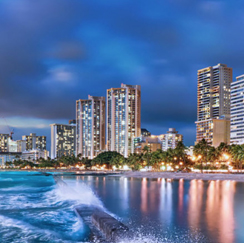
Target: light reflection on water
(157, 210)
(170, 209)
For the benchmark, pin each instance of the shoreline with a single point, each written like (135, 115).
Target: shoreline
(185, 176)
(239, 177)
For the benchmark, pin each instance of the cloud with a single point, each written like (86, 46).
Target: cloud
(54, 52)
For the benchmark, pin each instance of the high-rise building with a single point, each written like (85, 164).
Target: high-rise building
(123, 118)
(35, 142)
(237, 111)
(62, 140)
(213, 104)
(90, 122)
(4, 138)
(170, 139)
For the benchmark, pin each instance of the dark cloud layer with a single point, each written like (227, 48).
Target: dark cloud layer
(53, 52)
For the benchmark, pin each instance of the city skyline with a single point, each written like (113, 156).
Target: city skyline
(57, 59)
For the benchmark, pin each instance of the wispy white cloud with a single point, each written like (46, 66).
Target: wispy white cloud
(22, 122)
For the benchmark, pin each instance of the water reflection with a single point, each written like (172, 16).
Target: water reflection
(220, 209)
(193, 206)
(166, 201)
(181, 195)
(144, 207)
(195, 202)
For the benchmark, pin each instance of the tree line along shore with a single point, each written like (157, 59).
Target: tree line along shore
(204, 157)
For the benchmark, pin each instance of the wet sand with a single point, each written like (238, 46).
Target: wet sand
(187, 176)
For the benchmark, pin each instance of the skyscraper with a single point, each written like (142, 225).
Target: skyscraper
(62, 140)
(123, 118)
(90, 122)
(237, 111)
(213, 104)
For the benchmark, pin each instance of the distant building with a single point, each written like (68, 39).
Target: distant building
(34, 142)
(4, 142)
(90, 134)
(123, 118)
(21, 145)
(72, 122)
(153, 143)
(63, 138)
(12, 145)
(34, 154)
(213, 104)
(170, 139)
(8, 157)
(237, 111)
(145, 132)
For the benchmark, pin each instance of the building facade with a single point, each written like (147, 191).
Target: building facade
(35, 142)
(21, 145)
(34, 155)
(63, 139)
(123, 118)
(213, 103)
(8, 157)
(4, 138)
(237, 111)
(90, 119)
(153, 143)
(170, 139)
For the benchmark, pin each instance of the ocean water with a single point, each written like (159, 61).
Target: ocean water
(34, 209)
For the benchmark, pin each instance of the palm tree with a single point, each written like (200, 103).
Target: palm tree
(237, 153)
(147, 154)
(135, 161)
(201, 150)
(180, 151)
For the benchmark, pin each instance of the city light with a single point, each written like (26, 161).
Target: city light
(226, 156)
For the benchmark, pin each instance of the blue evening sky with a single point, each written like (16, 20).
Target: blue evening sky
(53, 52)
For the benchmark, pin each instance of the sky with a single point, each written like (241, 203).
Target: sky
(54, 52)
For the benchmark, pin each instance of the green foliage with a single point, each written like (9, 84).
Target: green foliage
(135, 161)
(109, 158)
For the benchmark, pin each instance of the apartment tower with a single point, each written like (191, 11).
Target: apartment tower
(35, 142)
(90, 122)
(237, 111)
(123, 118)
(62, 140)
(213, 104)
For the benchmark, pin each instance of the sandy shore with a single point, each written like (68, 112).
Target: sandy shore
(187, 176)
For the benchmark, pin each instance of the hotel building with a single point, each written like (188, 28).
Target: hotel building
(123, 118)
(170, 139)
(62, 140)
(237, 111)
(35, 142)
(213, 104)
(90, 120)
